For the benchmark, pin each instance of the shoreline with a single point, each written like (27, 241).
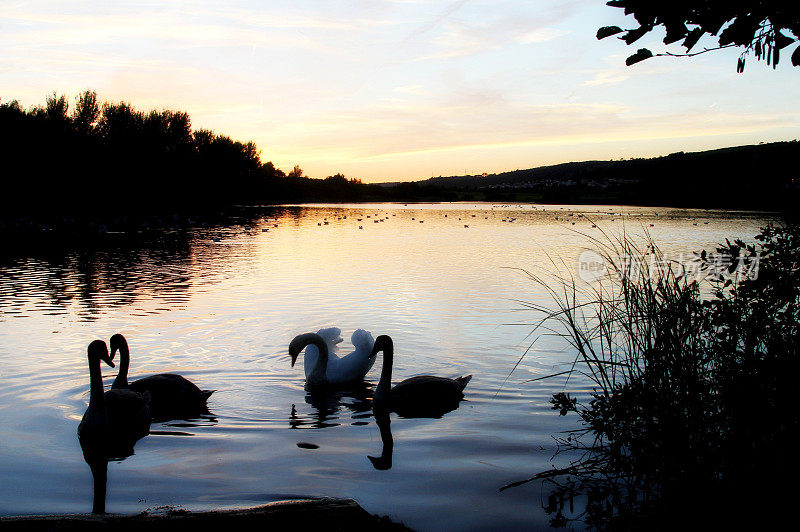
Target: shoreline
(328, 513)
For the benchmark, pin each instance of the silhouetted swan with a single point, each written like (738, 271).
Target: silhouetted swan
(171, 396)
(115, 419)
(422, 396)
(321, 364)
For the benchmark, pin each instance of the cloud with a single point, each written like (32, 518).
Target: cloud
(607, 78)
(399, 132)
(467, 36)
(540, 35)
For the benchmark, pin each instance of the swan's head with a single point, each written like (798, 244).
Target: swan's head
(117, 342)
(381, 463)
(362, 340)
(331, 335)
(99, 350)
(299, 343)
(382, 343)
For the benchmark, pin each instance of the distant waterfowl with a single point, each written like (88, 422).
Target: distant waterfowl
(323, 366)
(114, 420)
(171, 395)
(421, 396)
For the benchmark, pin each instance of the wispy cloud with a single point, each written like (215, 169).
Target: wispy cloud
(607, 78)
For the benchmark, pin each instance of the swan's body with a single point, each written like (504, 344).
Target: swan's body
(171, 395)
(422, 396)
(321, 363)
(115, 419)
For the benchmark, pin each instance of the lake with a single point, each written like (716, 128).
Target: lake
(220, 305)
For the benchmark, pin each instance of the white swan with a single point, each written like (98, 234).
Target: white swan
(321, 363)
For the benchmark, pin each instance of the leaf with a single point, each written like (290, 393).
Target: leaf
(640, 55)
(796, 56)
(692, 38)
(675, 32)
(608, 31)
(634, 35)
(740, 65)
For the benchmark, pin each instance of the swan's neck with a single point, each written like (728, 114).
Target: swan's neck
(124, 361)
(385, 383)
(96, 401)
(317, 375)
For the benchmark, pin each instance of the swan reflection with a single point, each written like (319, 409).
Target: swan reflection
(384, 461)
(98, 453)
(328, 402)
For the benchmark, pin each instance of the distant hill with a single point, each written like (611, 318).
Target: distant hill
(755, 176)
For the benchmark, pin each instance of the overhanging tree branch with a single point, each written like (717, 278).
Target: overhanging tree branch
(761, 27)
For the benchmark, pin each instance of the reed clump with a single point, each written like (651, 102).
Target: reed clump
(694, 367)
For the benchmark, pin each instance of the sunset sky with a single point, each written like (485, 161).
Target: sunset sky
(398, 89)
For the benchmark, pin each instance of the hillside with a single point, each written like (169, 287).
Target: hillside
(756, 176)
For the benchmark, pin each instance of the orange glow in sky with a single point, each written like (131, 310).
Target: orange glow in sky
(398, 89)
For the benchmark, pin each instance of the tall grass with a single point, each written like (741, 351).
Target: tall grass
(694, 374)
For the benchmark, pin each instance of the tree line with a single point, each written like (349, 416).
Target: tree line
(99, 158)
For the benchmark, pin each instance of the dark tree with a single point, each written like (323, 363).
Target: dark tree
(57, 107)
(761, 27)
(86, 112)
(296, 172)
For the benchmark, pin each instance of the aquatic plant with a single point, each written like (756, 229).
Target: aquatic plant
(694, 377)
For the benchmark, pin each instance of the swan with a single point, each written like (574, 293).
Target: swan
(323, 366)
(115, 419)
(422, 396)
(171, 395)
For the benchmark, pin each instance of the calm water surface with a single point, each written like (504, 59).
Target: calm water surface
(220, 307)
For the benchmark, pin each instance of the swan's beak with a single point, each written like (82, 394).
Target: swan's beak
(296, 346)
(293, 353)
(108, 361)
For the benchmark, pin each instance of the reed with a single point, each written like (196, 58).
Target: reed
(694, 375)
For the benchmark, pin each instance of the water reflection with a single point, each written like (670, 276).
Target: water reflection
(60, 272)
(384, 461)
(98, 453)
(328, 402)
(90, 270)
(91, 281)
